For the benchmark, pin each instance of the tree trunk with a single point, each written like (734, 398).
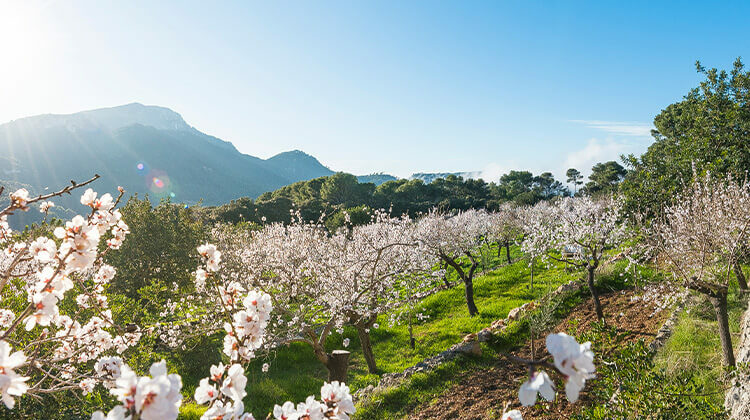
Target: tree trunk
(594, 294)
(719, 302)
(364, 339)
(469, 292)
(741, 279)
(338, 365)
(507, 252)
(412, 343)
(444, 266)
(467, 278)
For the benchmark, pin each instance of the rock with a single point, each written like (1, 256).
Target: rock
(514, 313)
(567, 287)
(499, 324)
(484, 335)
(471, 348)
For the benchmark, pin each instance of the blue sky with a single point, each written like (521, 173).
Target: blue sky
(390, 86)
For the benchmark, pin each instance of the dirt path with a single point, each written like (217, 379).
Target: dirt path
(481, 395)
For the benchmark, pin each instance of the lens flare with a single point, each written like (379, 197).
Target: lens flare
(158, 183)
(140, 166)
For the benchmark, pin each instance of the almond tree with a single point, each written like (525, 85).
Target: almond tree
(506, 228)
(701, 237)
(45, 345)
(576, 231)
(372, 265)
(449, 238)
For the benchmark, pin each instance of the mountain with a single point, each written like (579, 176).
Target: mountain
(147, 150)
(377, 179)
(297, 166)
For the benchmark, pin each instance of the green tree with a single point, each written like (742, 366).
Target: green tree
(344, 189)
(604, 178)
(575, 178)
(160, 248)
(708, 130)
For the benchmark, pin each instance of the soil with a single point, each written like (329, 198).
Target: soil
(481, 395)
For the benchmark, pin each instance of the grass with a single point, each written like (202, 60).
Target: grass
(422, 388)
(695, 347)
(295, 373)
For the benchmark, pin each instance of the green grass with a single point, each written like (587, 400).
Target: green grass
(695, 347)
(422, 388)
(295, 373)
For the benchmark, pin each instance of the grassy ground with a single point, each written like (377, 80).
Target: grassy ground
(695, 347)
(295, 373)
(422, 388)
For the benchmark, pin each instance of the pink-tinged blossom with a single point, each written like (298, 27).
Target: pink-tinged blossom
(158, 397)
(337, 394)
(539, 383)
(286, 411)
(11, 384)
(117, 413)
(575, 361)
(512, 415)
(44, 206)
(45, 308)
(43, 249)
(234, 383)
(205, 392)
(19, 199)
(6, 318)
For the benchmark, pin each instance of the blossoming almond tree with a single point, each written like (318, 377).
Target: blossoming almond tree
(701, 237)
(290, 264)
(576, 231)
(505, 227)
(44, 348)
(377, 267)
(450, 237)
(246, 314)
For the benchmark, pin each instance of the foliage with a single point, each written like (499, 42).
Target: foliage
(604, 179)
(161, 249)
(641, 389)
(706, 131)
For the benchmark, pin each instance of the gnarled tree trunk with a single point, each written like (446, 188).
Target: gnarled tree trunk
(717, 295)
(720, 307)
(467, 278)
(507, 252)
(594, 294)
(741, 279)
(364, 339)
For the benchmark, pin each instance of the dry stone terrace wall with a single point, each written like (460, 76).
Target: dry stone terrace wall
(737, 400)
(469, 346)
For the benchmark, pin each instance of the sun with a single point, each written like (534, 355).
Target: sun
(25, 51)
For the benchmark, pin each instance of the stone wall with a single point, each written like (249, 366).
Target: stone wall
(737, 400)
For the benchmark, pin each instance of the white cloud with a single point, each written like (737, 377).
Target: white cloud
(490, 173)
(620, 128)
(597, 150)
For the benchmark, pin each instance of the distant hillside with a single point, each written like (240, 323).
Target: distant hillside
(429, 177)
(377, 179)
(146, 149)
